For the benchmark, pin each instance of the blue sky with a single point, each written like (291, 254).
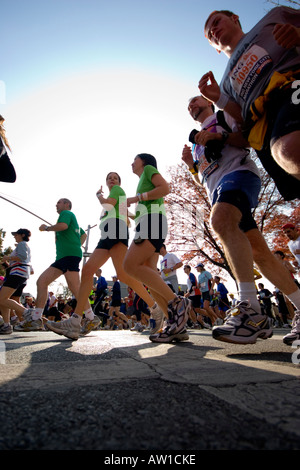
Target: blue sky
(88, 85)
(47, 39)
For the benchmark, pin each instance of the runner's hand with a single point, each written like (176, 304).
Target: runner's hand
(209, 88)
(187, 156)
(286, 35)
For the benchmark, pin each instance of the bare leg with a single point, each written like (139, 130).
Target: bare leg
(225, 220)
(118, 253)
(17, 299)
(73, 281)
(7, 304)
(97, 259)
(209, 311)
(270, 266)
(48, 276)
(286, 153)
(135, 265)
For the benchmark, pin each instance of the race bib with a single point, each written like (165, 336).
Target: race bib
(247, 71)
(205, 168)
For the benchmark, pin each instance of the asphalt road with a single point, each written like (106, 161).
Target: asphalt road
(116, 391)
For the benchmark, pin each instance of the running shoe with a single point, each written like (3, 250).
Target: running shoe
(14, 321)
(295, 331)
(28, 324)
(243, 325)
(5, 329)
(89, 325)
(138, 327)
(174, 329)
(178, 313)
(69, 328)
(158, 316)
(167, 337)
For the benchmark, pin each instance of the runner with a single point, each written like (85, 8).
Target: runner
(142, 257)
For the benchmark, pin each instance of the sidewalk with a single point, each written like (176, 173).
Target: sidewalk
(115, 390)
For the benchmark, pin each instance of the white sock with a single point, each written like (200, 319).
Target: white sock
(37, 313)
(89, 314)
(295, 298)
(247, 292)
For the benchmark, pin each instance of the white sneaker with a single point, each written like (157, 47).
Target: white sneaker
(69, 328)
(243, 325)
(295, 331)
(138, 327)
(28, 324)
(166, 336)
(158, 316)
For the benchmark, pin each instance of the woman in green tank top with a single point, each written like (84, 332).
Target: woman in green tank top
(142, 257)
(113, 243)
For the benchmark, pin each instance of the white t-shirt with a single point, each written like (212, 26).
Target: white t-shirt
(168, 261)
(23, 267)
(293, 246)
(211, 173)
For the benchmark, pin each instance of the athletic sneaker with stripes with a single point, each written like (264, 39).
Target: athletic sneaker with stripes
(167, 337)
(178, 312)
(294, 334)
(88, 325)
(29, 324)
(70, 328)
(243, 325)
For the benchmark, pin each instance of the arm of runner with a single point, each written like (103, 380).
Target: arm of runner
(187, 157)
(59, 227)
(105, 202)
(210, 89)
(170, 270)
(286, 35)
(235, 139)
(83, 238)
(10, 258)
(161, 189)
